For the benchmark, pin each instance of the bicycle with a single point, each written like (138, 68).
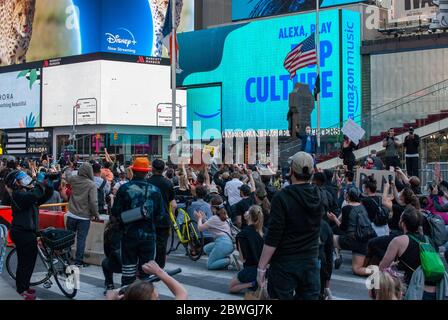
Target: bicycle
(53, 260)
(187, 233)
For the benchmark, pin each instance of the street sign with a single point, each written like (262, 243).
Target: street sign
(86, 111)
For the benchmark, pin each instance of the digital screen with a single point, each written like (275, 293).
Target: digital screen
(248, 60)
(96, 89)
(20, 99)
(61, 28)
(247, 9)
(204, 112)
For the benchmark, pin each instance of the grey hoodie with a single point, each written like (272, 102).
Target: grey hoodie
(84, 199)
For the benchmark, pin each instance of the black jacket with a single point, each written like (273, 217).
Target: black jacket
(296, 214)
(25, 207)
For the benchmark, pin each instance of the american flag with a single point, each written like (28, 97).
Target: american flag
(301, 56)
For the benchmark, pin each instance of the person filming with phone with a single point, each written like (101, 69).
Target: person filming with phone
(25, 196)
(391, 144)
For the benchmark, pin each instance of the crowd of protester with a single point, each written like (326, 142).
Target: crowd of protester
(293, 229)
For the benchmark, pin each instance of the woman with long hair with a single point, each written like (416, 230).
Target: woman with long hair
(261, 199)
(220, 251)
(250, 245)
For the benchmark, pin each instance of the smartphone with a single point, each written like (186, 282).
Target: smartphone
(391, 179)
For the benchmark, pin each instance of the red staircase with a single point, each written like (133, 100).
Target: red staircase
(432, 118)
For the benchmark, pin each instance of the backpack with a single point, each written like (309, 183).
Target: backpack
(101, 197)
(364, 230)
(382, 215)
(432, 265)
(434, 227)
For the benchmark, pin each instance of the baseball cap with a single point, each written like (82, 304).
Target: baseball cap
(301, 160)
(214, 189)
(411, 129)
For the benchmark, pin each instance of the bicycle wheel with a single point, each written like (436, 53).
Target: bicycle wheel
(66, 275)
(41, 271)
(195, 246)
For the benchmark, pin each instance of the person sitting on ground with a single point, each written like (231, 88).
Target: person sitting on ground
(346, 186)
(261, 199)
(406, 250)
(143, 290)
(250, 245)
(247, 199)
(412, 182)
(346, 226)
(373, 205)
(220, 251)
(390, 287)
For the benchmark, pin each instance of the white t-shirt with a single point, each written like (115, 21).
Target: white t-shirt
(232, 191)
(217, 227)
(119, 184)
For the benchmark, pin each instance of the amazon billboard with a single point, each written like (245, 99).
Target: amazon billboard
(237, 80)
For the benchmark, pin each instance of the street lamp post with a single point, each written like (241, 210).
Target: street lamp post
(75, 107)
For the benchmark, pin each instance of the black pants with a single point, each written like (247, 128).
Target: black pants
(392, 162)
(137, 248)
(294, 278)
(163, 235)
(109, 268)
(412, 166)
(26, 245)
(377, 247)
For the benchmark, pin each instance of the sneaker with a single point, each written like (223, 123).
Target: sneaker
(233, 265)
(109, 287)
(338, 262)
(28, 296)
(327, 294)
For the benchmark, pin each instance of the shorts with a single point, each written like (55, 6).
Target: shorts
(247, 275)
(348, 243)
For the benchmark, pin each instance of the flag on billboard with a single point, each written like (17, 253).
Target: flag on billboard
(316, 90)
(301, 56)
(167, 30)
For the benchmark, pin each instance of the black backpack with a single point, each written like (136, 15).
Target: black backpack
(101, 197)
(382, 215)
(434, 228)
(364, 230)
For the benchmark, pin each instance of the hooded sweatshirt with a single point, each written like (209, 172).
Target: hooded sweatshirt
(296, 214)
(84, 199)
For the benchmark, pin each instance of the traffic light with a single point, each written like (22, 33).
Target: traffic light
(115, 136)
(98, 136)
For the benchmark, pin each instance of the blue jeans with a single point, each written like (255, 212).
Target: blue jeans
(218, 253)
(296, 278)
(81, 228)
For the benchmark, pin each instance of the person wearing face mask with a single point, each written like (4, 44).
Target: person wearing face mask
(309, 142)
(25, 198)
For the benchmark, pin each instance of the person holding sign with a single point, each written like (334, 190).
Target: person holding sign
(347, 153)
(391, 144)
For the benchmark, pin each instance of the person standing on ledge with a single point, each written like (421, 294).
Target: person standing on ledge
(391, 144)
(309, 141)
(411, 143)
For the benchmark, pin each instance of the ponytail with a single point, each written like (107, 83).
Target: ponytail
(256, 217)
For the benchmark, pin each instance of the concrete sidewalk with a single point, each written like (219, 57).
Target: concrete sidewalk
(7, 292)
